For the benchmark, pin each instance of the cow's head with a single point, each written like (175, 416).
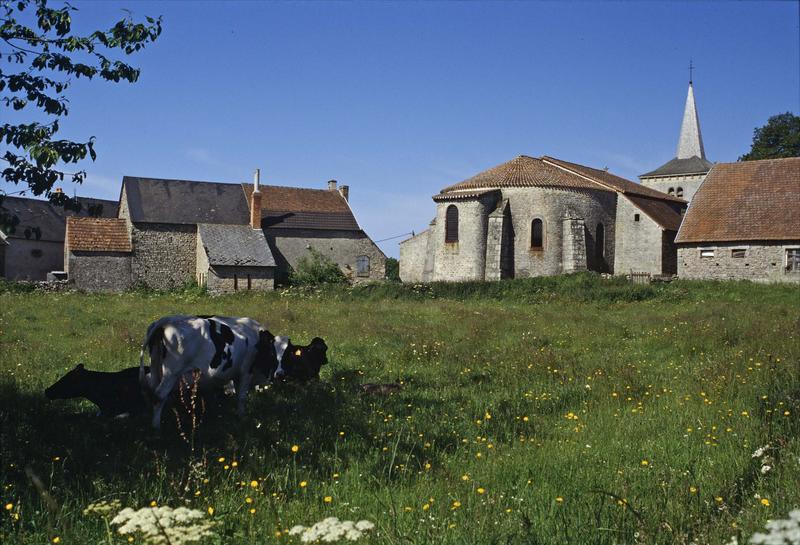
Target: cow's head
(73, 384)
(300, 362)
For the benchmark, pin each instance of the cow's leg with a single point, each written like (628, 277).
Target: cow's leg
(241, 392)
(161, 394)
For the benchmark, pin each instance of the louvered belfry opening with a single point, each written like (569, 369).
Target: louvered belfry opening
(451, 224)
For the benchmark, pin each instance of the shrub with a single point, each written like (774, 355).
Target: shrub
(316, 269)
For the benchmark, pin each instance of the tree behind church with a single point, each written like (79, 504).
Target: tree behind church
(780, 137)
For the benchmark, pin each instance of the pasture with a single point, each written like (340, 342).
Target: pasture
(552, 411)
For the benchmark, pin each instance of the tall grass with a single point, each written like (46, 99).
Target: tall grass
(562, 410)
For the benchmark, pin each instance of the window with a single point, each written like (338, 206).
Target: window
(706, 253)
(671, 191)
(37, 253)
(793, 259)
(636, 217)
(451, 224)
(235, 282)
(679, 192)
(249, 284)
(537, 234)
(738, 253)
(600, 241)
(362, 265)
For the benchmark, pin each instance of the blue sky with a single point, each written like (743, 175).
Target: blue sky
(398, 100)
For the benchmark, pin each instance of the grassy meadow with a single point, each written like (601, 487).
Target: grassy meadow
(548, 411)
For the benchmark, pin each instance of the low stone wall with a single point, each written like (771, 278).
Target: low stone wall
(763, 261)
(412, 258)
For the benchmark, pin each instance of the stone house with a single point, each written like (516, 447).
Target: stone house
(539, 217)
(36, 246)
(682, 175)
(744, 224)
(228, 237)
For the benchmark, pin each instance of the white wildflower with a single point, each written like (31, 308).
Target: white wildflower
(781, 531)
(760, 451)
(765, 469)
(331, 530)
(164, 525)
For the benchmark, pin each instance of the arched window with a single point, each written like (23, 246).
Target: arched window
(537, 234)
(671, 191)
(679, 192)
(451, 224)
(600, 241)
(362, 265)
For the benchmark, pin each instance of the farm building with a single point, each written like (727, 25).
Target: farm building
(744, 223)
(35, 246)
(543, 216)
(682, 175)
(228, 237)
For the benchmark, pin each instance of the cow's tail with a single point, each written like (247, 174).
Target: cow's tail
(154, 346)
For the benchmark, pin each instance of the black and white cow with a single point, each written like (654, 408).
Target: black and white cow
(115, 393)
(223, 349)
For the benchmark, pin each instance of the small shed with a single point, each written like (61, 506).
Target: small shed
(97, 254)
(232, 258)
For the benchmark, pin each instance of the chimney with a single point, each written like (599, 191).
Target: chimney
(331, 185)
(255, 201)
(345, 192)
(58, 190)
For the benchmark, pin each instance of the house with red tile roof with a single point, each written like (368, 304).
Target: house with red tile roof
(228, 237)
(744, 223)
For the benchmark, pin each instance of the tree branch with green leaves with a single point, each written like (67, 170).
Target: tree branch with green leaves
(41, 56)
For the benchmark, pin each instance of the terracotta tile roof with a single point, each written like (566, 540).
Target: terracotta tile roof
(681, 167)
(461, 194)
(97, 235)
(523, 171)
(612, 181)
(750, 200)
(302, 208)
(665, 214)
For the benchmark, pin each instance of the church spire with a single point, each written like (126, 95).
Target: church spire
(690, 143)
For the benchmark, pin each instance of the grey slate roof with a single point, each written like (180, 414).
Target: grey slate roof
(154, 200)
(235, 245)
(677, 167)
(49, 218)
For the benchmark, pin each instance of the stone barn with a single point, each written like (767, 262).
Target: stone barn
(228, 237)
(36, 245)
(540, 217)
(744, 224)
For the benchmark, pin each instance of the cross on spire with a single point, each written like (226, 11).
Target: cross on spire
(691, 67)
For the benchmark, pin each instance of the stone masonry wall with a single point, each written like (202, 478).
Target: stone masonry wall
(689, 184)
(639, 243)
(100, 271)
(164, 255)
(412, 257)
(343, 247)
(232, 279)
(465, 259)
(551, 205)
(764, 261)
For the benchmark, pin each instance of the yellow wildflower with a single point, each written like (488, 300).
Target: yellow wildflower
(295, 448)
